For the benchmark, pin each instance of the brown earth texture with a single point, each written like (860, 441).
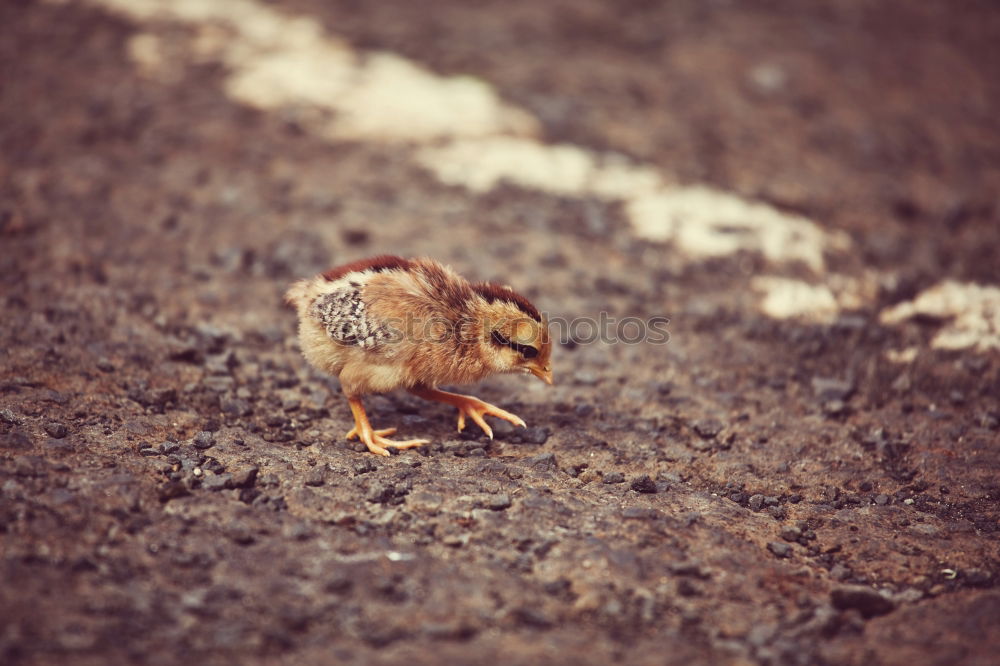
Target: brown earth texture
(807, 472)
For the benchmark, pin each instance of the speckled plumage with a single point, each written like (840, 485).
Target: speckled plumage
(344, 316)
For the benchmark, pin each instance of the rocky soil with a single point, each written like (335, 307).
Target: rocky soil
(174, 481)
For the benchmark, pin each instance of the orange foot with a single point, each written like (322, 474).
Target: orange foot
(375, 440)
(470, 406)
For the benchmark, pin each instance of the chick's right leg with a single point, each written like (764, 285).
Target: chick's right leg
(375, 440)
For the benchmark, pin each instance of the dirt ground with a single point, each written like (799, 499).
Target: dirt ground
(174, 482)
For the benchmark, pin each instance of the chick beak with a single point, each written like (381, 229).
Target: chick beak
(545, 374)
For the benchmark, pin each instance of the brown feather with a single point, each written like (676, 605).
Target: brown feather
(494, 292)
(383, 262)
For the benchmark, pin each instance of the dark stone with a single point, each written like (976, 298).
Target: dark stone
(499, 502)
(316, 477)
(644, 484)
(236, 407)
(707, 428)
(56, 429)
(213, 465)
(504, 430)
(839, 572)
(756, 502)
(167, 448)
(172, 490)
(791, 533)
(16, 439)
(780, 549)
(977, 577)
(614, 477)
(382, 492)
(217, 481)
(863, 599)
(240, 533)
(190, 354)
(690, 568)
(543, 461)
(29, 466)
(641, 513)
(882, 500)
(244, 477)
(537, 435)
(532, 617)
(204, 440)
(356, 236)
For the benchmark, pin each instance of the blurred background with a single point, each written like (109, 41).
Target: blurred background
(808, 191)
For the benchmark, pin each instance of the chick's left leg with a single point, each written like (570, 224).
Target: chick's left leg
(375, 439)
(469, 406)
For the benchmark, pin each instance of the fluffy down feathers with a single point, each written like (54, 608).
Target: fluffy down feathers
(387, 322)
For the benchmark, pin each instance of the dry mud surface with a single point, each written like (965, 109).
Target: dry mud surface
(763, 489)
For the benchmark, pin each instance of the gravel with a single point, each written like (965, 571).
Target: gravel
(316, 477)
(613, 477)
(708, 428)
(498, 502)
(644, 484)
(172, 490)
(56, 430)
(204, 440)
(217, 481)
(245, 476)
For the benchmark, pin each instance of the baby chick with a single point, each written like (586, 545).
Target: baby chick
(386, 322)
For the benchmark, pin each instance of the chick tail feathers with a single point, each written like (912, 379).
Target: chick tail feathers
(299, 295)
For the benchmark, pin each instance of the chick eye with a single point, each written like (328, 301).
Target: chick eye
(527, 351)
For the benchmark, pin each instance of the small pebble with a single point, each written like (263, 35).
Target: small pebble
(217, 481)
(244, 477)
(204, 440)
(780, 549)
(498, 502)
(707, 428)
(172, 490)
(791, 533)
(644, 484)
(614, 477)
(863, 599)
(537, 435)
(316, 477)
(56, 430)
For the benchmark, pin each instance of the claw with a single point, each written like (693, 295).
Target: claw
(353, 432)
(470, 406)
(375, 440)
